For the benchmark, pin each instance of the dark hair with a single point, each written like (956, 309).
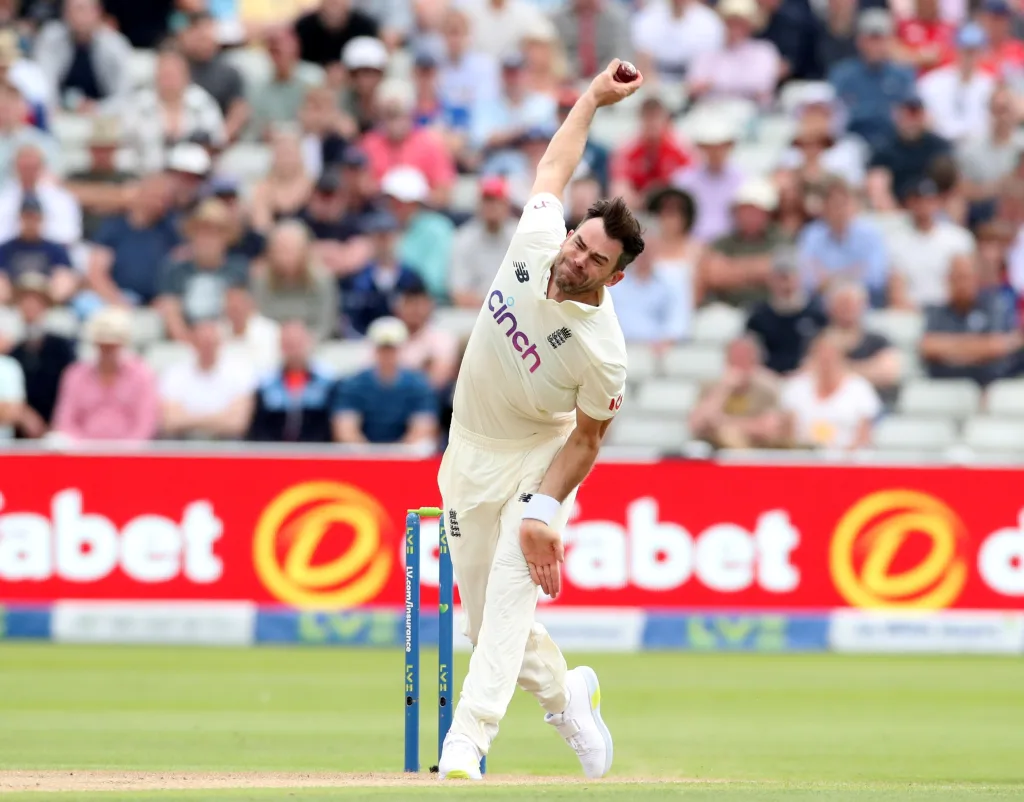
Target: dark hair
(687, 206)
(619, 224)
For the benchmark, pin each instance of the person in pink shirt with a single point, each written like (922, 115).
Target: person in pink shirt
(396, 142)
(746, 67)
(113, 397)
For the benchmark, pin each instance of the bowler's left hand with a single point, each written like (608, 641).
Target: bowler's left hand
(544, 553)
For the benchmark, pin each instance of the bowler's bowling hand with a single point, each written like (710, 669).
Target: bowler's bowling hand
(544, 553)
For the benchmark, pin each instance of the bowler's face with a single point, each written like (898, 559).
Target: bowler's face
(587, 260)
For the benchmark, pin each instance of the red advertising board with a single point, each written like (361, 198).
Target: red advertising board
(327, 534)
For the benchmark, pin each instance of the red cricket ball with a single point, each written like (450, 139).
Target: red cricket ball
(626, 73)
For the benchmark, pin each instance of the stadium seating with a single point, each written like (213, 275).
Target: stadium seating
(663, 433)
(1006, 398)
(950, 398)
(994, 435)
(341, 357)
(900, 433)
(717, 324)
(694, 362)
(666, 396)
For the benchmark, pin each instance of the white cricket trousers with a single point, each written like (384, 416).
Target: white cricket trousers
(481, 481)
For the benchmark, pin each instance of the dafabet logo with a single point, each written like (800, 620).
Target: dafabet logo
(318, 546)
(899, 548)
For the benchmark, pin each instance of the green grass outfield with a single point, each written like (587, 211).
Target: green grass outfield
(761, 727)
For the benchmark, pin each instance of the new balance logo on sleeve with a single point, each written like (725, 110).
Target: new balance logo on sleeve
(522, 274)
(559, 337)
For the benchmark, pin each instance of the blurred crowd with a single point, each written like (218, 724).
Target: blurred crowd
(259, 181)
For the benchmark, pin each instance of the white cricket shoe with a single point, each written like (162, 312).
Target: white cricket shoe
(581, 725)
(460, 759)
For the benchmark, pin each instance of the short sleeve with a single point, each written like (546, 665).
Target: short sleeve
(172, 280)
(347, 397)
(61, 257)
(600, 394)
(12, 381)
(543, 221)
(869, 405)
(424, 400)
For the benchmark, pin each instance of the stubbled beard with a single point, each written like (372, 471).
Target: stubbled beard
(565, 279)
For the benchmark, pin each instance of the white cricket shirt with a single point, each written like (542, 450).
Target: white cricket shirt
(530, 360)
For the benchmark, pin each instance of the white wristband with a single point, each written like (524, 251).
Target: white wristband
(542, 508)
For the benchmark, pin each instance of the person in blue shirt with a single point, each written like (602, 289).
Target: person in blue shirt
(371, 292)
(842, 245)
(125, 265)
(29, 252)
(386, 403)
(871, 84)
(294, 404)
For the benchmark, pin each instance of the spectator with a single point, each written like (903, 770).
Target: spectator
(295, 403)
(583, 192)
(323, 33)
(872, 83)
(736, 267)
(429, 109)
(870, 355)
(1005, 56)
(843, 244)
(371, 292)
(544, 58)
(985, 160)
(669, 34)
(973, 336)
(906, 158)
(924, 252)
(519, 166)
(924, 41)
(12, 396)
(829, 405)
(286, 189)
(427, 236)
(86, 61)
(29, 252)
(795, 203)
(144, 24)
(365, 60)
(43, 356)
(468, 76)
(173, 111)
(124, 265)
(497, 26)
(650, 160)
(291, 286)
(397, 143)
(429, 349)
(209, 396)
(819, 147)
(396, 19)
(792, 27)
(386, 403)
(740, 410)
(279, 98)
(956, 97)
(114, 397)
(651, 307)
(745, 67)
(789, 319)
(714, 182)
(672, 253)
(62, 216)
(500, 123)
(245, 241)
(26, 76)
(193, 288)
(325, 130)
(837, 37)
(16, 134)
(480, 245)
(245, 329)
(994, 239)
(209, 70)
(337, 228)
(100, 188)
(188, 167)
(594, 32)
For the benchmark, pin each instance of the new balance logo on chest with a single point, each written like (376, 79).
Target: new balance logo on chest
(559, 337)
(521, 273)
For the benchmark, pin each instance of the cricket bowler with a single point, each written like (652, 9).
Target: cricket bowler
(543, 375)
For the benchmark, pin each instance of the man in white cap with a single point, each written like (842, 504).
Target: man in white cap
(736, 267)
(91, 401)
(542, 377)
(386, 403)
(365, 59)
(715, 181)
